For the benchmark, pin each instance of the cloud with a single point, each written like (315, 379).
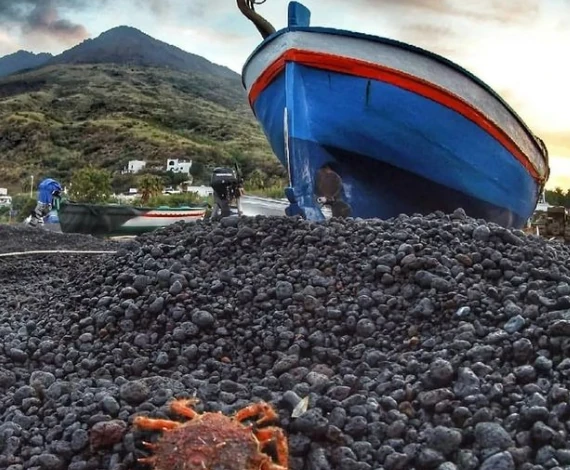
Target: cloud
(436, 37)
(43, 18)
(483, 10)
(558, 142)
(157, 7)
(560, 172)
(7, 43)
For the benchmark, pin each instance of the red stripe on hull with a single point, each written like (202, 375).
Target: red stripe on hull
(363, 69)
(174, 216)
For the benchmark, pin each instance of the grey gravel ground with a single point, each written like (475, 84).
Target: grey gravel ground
(435, 342)
(22, 237)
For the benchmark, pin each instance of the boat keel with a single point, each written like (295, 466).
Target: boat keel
(327, 192)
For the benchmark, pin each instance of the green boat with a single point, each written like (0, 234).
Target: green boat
(111, 220)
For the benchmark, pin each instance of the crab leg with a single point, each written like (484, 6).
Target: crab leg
(182, 407)
(147, 460)
(272, 466)
(277, 435)
(155, 424)
(150, 445)
(264, 410)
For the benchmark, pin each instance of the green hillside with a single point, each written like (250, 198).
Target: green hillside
(62, 117)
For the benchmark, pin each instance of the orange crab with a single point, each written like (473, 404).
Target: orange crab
(214, 440)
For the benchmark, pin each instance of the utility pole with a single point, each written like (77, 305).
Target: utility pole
(32, 186)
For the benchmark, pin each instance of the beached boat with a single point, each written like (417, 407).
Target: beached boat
(116, 220)
(375, 127)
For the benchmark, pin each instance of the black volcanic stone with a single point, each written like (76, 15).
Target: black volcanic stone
(426, 342)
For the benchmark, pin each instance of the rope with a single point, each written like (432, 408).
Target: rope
(51, 252)
(252, 3)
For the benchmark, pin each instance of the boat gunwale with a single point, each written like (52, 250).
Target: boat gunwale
(539, 144)
(197, 207)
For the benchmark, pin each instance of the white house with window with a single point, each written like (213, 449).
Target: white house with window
(134, 166)
(178, 166)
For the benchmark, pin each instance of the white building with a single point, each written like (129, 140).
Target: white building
(135, 166)
(178, 166)
(542, 205)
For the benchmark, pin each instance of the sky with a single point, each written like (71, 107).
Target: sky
(519, 47)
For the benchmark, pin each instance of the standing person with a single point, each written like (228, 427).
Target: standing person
(48, 191)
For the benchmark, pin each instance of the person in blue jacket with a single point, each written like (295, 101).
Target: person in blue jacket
(48, 191)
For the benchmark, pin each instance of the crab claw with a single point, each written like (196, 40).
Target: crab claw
(263, 410)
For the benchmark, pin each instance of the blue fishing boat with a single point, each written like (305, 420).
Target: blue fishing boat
(374, 127)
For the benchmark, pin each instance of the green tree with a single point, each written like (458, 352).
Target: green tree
(558, 197)
(177, 200)
(276, 181)
(256, 180)
(121, 183)
(176, 179)
(23, 205)
(4, 213)
(149, 186)
(199, 172)
(26, 183)
(91, 185)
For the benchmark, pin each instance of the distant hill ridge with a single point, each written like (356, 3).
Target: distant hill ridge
(22, 60)
(123, 45)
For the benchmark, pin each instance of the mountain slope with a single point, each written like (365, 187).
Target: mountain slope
(59, 118)
(125, 96)
(128, 46)
(22, 60)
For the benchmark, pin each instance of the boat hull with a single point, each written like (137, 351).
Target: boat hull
(119, 220)
(397, 131)
(415, 156)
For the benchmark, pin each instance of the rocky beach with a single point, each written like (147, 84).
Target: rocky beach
(422, 342)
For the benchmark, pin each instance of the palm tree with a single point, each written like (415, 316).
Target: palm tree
(149, 186)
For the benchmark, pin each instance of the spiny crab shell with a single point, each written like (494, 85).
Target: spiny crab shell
(214, 441)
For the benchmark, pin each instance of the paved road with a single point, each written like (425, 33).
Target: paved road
(253, 205)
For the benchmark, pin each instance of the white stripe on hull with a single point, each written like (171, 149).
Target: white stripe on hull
(159, 221)
(404, 60)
